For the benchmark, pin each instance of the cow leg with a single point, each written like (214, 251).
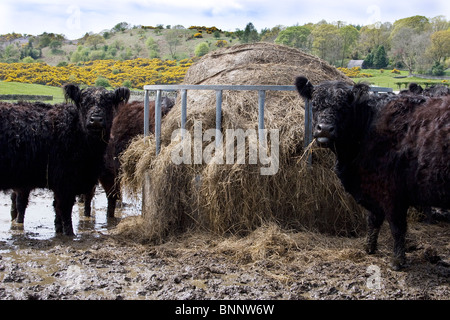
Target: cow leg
(374, 221)
(397, 223)
(87, 202)
(112, 191)
(22, 196)
(112, 199)
(63, 213)
(13, 205)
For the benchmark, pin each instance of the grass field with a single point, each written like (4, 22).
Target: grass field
(390, 80)
(32, 89)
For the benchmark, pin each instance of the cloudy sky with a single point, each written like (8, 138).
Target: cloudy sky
(74, 18)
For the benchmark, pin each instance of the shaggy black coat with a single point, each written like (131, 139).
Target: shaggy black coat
(392, 151)
(127, 124)
(58, 147)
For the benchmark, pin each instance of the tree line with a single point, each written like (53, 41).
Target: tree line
(417, 44)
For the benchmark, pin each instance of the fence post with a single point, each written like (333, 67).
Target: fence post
(308, 128)
(218, 116)
(158, 121)
(146, 112)
(261, 102)
(183, 112)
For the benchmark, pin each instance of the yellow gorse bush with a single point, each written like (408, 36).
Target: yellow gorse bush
(139, 72)
(355, 72)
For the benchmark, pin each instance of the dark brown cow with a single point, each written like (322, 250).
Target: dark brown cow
(391, 153)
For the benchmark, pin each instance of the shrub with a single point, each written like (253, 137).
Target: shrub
(355, 72)
(127, 83)
(138, 71)
(221, 43)
(102, 82)
(438, 69)
(201, 49)
(28, 60)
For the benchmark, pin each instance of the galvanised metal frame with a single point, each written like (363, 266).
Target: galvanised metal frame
(219, 89)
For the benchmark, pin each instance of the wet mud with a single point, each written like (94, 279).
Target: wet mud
(270, 263)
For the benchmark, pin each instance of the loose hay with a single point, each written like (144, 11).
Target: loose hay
(237, 199)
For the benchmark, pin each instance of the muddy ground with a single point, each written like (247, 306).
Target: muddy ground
(98, 263)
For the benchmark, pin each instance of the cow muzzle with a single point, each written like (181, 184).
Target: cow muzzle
(324, 134)
(95, 123)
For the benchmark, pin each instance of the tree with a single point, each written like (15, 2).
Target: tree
(271, 35)
(173, 40)
(380, 59)
(152, 47)
(349, 36)
(327, 43)
(419, 24)
(371, 37)
(439, 50)
(368, 61)
(121, 26)
(408, 46)
(201, 49)
(296, 36)
(439, 23)
(11, 54)
(95, 40)
(55, 46)
(250, 34)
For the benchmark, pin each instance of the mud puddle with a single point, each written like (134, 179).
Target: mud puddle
(269, 264)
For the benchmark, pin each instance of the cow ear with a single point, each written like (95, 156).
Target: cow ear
(121, 95)
(415, 88)
(304, 87)
(72, 92)
(360, 92)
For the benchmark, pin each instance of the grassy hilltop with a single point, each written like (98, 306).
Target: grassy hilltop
(118, 44)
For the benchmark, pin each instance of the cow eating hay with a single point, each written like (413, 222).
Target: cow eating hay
(392, 151)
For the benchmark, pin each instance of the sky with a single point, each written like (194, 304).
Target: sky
(74, 18)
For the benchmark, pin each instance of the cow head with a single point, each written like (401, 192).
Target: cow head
(333, 107)
(97, 106)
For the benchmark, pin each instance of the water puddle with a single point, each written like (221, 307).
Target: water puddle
(40, 216)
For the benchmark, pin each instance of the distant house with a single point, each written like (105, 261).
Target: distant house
(355, 63)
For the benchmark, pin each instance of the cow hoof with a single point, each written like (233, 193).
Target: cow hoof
(371, 249)
(397, 264)
(68, 231)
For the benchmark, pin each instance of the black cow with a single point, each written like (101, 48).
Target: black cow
(58, 147)
(127, 124)
(391, 153)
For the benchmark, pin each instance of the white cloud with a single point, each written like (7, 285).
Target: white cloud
(76, 17)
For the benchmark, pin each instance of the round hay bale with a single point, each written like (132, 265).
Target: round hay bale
(237, 198)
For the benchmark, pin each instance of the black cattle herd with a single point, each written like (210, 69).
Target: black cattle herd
(392, 150)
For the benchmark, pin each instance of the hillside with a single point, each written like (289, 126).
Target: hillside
(121, 45)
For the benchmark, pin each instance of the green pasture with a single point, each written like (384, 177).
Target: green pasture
(393, 80)
(32, 89)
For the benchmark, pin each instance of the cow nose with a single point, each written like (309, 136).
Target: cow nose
(323, 129)
(96, 120)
